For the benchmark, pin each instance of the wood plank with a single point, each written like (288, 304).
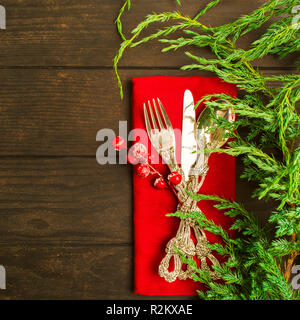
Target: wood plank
(82, 33)
(62, 201)
(96, 272)
(58, 112)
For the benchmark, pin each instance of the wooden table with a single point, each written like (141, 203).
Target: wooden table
(65, 221)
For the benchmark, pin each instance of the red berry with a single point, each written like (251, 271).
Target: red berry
(160, 183)
(139, 152)
(143, 170)
(175, 178)
(118, 143)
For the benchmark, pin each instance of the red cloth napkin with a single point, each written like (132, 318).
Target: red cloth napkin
(152, 229)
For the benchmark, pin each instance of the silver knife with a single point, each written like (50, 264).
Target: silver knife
(188, 141)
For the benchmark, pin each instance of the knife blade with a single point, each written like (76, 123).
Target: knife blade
(188, 141)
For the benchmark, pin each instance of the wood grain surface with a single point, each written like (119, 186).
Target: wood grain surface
(70, 272)
(65, 221)
(82, 32)
(58, 112)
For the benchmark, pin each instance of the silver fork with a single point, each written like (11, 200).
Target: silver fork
(162, 135)
(163, 139)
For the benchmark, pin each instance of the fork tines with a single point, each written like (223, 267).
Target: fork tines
(158, 111)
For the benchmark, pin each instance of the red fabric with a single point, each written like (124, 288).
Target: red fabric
(152, 229)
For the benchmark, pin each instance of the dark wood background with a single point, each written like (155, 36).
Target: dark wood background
(65, 221)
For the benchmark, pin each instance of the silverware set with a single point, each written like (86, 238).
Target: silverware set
(196, 135)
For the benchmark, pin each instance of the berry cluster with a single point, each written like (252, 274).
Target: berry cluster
(139, 156)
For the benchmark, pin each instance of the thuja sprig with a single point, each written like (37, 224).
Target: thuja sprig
(185, 22)
(252, 268)
(118, 21)
(266, 136)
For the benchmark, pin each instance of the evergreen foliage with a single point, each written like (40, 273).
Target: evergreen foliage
(259, 262)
